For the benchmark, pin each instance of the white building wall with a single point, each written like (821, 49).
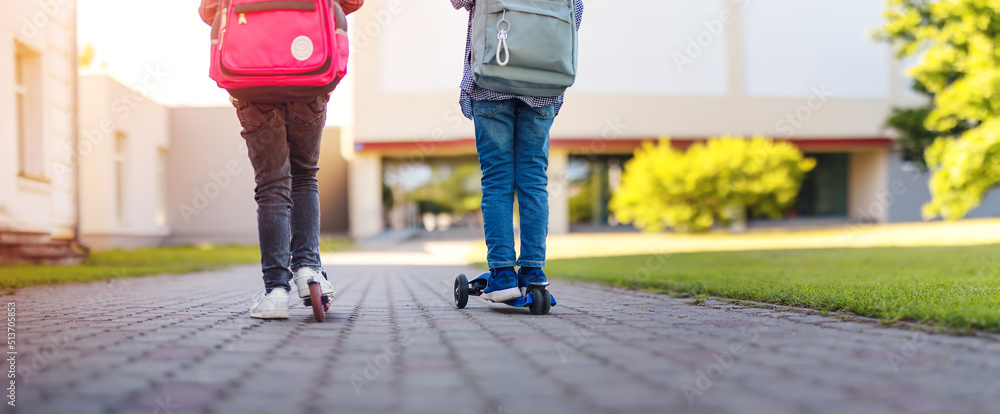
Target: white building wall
(109, 108)
(678, 68)
(791, 46)
(44, 203)
(211, 187)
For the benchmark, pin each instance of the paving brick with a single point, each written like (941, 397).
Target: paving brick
(600, 351)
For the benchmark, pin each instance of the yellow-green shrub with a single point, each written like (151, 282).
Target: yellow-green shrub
(711, 182)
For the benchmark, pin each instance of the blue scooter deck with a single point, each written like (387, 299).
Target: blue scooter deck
(526, 300)
(520, 302)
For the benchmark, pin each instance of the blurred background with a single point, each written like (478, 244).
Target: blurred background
(113, 136)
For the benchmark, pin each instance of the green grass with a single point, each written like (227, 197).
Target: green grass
(956, 289)
(116, 264)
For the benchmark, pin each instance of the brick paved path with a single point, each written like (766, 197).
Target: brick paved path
(393, 342)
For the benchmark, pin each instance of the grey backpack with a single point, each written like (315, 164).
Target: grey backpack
(524, 47)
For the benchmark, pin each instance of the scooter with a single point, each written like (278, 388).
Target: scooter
(319, 302)
(535, 296)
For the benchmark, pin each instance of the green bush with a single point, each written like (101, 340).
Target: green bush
(716, 181)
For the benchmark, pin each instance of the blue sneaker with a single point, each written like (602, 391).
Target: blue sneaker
(532, 275)
(502, 286)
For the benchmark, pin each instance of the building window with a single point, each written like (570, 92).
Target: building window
(28, 99)
(121, 151)
(161, 188)
(824, 189)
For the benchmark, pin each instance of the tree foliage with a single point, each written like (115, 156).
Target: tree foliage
(452, 189)
(960, 67)
(911, 125)
(715, 181)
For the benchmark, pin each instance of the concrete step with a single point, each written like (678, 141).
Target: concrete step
(39, 249)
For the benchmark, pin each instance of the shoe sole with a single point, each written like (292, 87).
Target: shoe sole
(503, 295)
(304, 293)
(524, 289)
(275, 314)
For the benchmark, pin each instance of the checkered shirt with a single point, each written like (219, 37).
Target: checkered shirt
(472, 91)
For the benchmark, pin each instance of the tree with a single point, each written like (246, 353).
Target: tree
(960, 67)
(911, 125)
(716, 181)
(452, 189)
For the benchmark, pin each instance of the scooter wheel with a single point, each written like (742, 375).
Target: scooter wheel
(540, 301)
(461, 291)
(316, 299)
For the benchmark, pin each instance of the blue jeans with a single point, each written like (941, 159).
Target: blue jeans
(512, 139)
(283, 141)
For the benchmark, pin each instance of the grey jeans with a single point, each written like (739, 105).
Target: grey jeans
(283, 142)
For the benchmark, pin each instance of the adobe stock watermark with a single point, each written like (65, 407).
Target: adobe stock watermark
(47, 10)
(54, 344)
(114, 287)
(907, 350)
(611, 129)
(202, 197)
(153, 77)
(991, 266)
(164, 406)
(391, 351)
(364, 36)
(489, 410)
(577, 339)
(426, 148)
(796, 119)
(707, 377)
(705, 39)
(879, 209)
(47, 353)
(230, 334)
(655, 260)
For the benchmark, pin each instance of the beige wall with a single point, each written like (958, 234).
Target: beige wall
(211, 185)
(109, 109)
(868, 198)
(210, 191)
(42, 204)
(633, 81)
(365, 196)
(332, 178)
(558, 191)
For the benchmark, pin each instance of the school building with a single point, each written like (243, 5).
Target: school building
(803, 71)
(38, 154)
(156, 175)
(85, 159)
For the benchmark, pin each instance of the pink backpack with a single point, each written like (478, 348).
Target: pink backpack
(276, 51)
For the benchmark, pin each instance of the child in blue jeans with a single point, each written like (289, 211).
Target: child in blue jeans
(512, 139)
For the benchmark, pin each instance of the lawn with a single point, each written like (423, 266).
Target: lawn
(116, 264)
(956, 289)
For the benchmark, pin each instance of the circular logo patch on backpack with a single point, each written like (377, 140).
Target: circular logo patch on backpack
(302, 48)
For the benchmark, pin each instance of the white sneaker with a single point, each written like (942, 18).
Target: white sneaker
(273, 305)
(302, 277)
